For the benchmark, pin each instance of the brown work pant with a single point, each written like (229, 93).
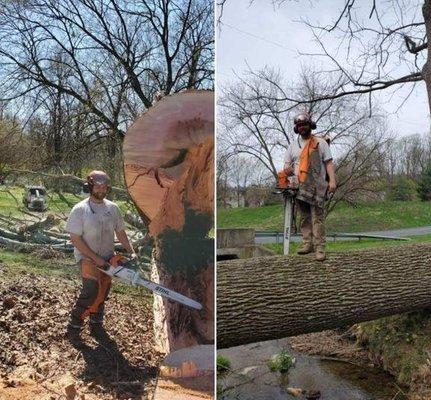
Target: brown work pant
(312, 223)
(91, 300)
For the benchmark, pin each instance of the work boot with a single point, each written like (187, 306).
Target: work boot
(320, 253)
(305, 248)
(73, 334)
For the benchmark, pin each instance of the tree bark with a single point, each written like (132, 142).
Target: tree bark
(275, 297)
(426, 70)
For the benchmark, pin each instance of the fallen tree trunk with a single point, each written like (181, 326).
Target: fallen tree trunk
(274, 297)
(50, 221)
(27, 247)
(11, 235)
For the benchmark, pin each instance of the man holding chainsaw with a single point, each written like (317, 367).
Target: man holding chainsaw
(92, 224)
(309, 158)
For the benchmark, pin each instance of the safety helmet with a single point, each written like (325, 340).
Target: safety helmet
(303, 118)
(97, 178)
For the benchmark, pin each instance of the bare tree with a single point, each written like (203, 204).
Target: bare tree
(371, 38)
(408, 155)
(254, 124)
(253, 127)
(14, 148)
(115, 55)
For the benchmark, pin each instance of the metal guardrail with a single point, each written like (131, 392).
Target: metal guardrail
(279, 236)
(362, 235)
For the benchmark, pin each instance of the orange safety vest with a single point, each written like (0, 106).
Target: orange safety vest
(304, 158)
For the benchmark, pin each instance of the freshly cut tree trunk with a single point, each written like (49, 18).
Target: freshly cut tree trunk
(275, 297)
(169, 172)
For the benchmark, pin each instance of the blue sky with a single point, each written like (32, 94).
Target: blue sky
(258, 35)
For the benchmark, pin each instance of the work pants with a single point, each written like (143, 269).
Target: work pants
(312, 223)
(91, 300)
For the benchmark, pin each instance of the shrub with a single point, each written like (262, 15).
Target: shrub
(403, 189)
(424, 186)
(281, 362)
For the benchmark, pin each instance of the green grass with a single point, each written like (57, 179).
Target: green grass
(18, 263)
(223, 364)
(383, 215)
(11, 202)
(11, 206)
(348, 245)
(401, 344)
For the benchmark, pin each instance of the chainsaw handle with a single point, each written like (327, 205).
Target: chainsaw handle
(106, 266)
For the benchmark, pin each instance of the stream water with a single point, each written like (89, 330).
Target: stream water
(251, 378)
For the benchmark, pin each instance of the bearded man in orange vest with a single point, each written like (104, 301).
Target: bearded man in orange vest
(309, 158)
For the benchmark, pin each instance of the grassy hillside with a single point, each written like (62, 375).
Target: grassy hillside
(365, 217)
(11, 202)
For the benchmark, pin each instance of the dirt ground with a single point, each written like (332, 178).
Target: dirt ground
(38, 361)
(338, 344)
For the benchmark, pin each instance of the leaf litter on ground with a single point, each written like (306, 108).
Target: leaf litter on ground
(38, 361)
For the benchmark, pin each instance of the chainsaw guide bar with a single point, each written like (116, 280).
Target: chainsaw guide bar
(132, 277)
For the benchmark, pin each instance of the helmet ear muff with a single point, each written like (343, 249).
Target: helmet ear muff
(86, 187)
(295, 129)
(89, 184)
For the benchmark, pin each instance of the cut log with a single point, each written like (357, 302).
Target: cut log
(57, 235)
(274, 297)
(156, 145)
(169, 173)
(27, 247)
(42, 238)
(50, 221)
(11, 235)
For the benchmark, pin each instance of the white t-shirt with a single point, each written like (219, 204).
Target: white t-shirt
(96, 223)
(293, 152)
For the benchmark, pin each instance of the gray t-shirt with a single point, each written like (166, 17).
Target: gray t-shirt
(96, 223)
(291, 157)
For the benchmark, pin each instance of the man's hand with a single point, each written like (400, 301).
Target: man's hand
(99, 261)
(80, 244)
(332, 186)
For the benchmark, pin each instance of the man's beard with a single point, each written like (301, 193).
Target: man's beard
(99, 196)
(305, 134)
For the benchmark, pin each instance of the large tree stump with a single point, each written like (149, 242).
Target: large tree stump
(275, 297)
(169, 171)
